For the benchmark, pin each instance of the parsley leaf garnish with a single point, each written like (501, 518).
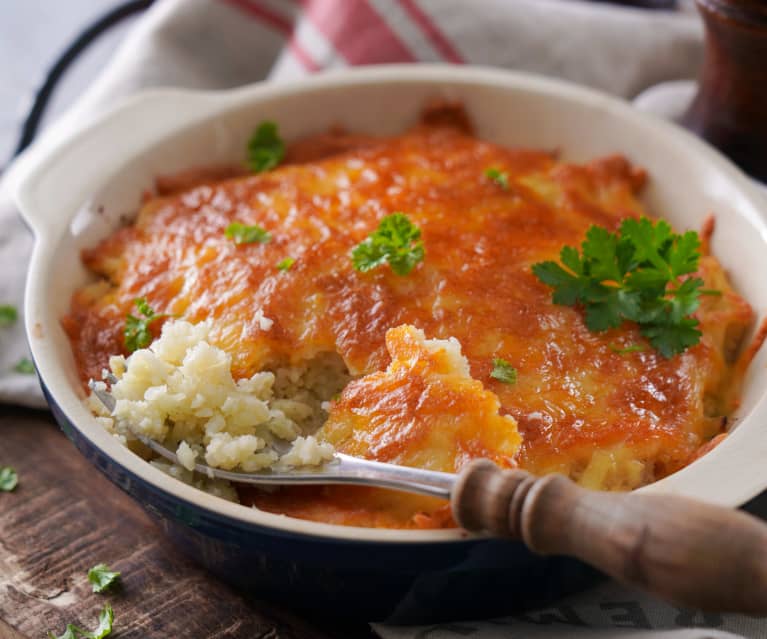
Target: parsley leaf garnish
(503, 371)
(8, 479)
(265, 148)
(244, 234)
(498, 176)
(8, 315)
(101, 577)
(25, 366)
(284, 265)
(396, 241)
(106, 618)
(633, 275)
(71, 632)
(136, 333)
(634, 348)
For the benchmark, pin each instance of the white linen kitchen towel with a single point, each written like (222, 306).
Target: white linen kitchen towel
(608, 611)
(216, 44)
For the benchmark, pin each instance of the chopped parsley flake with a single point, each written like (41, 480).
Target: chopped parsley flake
(396, 241)
(25, 366)
(106, 618)
(284, 265)
(244, 234)
(636, 275)
(503, 371)
(101, 577)
(71, 632)
(265, 148)
(136, 333)
(634, 348)
(8, 315)
(499, 177)
(8, 479)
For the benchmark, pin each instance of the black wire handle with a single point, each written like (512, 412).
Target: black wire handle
(62, 63)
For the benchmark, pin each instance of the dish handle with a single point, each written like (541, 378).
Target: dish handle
(54, 173)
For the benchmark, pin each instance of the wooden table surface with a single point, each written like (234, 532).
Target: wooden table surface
(64, 517)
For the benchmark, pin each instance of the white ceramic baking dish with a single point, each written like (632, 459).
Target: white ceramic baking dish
(75, 187)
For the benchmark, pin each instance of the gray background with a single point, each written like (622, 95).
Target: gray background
(32, 34)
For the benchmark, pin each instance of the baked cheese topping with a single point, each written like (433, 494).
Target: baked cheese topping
(583, 405)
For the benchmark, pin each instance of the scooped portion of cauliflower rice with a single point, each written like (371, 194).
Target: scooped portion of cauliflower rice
(180, 392)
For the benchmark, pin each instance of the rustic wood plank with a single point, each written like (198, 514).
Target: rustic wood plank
(6, 632)
(64, 517)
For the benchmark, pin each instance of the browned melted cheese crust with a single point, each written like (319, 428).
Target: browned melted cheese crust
(607, 419)
(422, 411)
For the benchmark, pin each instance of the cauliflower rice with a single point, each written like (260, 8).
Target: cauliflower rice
(179, 391)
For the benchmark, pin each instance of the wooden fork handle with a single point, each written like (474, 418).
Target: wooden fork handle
(691, 553)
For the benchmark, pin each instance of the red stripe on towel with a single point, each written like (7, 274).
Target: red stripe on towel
(279, 23)
(430, 29)
(356, 31)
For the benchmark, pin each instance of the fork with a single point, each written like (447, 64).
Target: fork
(342, 469)
(690, 552)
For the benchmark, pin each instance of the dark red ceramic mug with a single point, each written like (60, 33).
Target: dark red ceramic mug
(730, 109)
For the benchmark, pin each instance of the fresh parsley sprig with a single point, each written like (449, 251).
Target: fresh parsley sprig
(635, 274)
(24, 366)
(265, 147)
(9, 479)
(503, 371)
(101, 577)
(633, 348)
(285, 264)
(71, 632)
(8, 315)
(244, 234)
(136, 333)
(106, 619)
(498, 176)
(396, 241)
